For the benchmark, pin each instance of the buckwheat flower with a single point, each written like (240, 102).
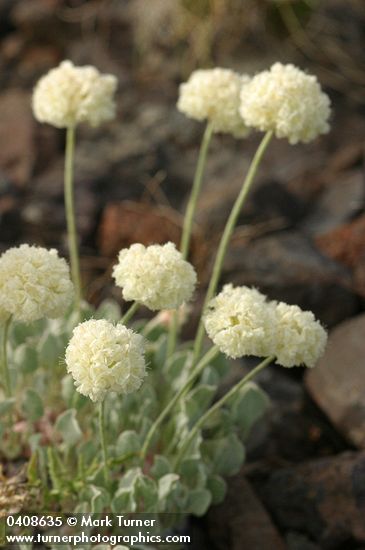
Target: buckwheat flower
(288, 102)
(214, 95)
(69, 95)
(241, 322)
(34, 283)
(300, 339)
(156, 276)
(102, 357)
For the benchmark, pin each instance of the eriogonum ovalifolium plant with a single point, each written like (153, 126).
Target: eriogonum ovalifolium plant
(160, 441)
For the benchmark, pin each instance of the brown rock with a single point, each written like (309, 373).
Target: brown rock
(346, 243)
(16, 136)
(241, 521)
(337, 384)
(129, 222)
(323, 498)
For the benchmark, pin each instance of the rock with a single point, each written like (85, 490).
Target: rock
(341, 200)
(128, 222)
(297, 541)
(40, 14)
(16, 136)
(288, 267)
(293, 429)
(345, 244)
(323, 499)
(241, 521)
(337, 384)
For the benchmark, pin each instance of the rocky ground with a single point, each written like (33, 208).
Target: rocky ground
(301, 237)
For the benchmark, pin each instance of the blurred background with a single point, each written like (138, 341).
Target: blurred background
(134, 175)
(301, 237)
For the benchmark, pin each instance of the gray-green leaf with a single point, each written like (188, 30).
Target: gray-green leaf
(128, 442)
(198, 502)
(32, 405)
(68, 427)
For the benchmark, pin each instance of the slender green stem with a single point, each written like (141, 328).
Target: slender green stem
(103, 440)
(129, 313)
(210, 412)
(195, 373)
(227, 234)
(4, 359)
(195, 191)
(172, 336)
(188, 222)
(70, 214)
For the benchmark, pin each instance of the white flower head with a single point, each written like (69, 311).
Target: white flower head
(69, 95)
(288, 102)
(300, 340)
(156, 276)
(214, 95)
(240, 322)
(103, 357)
(34, 283)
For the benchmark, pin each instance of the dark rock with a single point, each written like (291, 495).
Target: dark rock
(16, 136)
(323, 499)
(342, 199)
(337, 384)
(294, 429)
(288, 267)
(298, 541)
(241, 521)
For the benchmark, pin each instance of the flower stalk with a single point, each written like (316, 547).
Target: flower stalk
(227, 234)
(103, 441)
(70, 214)
(4, 361)
(195, 192)
(130, 313)
(219, 404)
(189, 220)
(209, 356)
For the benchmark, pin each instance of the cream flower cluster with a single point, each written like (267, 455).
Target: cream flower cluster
(214, 95)
(34, 283)
(102, 357)
(301, 339)
(288, 102)
(69, 95)
(156, 276)
(241, 322)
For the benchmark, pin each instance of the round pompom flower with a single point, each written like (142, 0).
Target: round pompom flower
(240, 322)
(300, 339)
(102, 357)
(69, 95)
(214, 95)
(34, 283)
(156, 276)
(288, 102)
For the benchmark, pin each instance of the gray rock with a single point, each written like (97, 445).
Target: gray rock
(341, 200)
(337, 384)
